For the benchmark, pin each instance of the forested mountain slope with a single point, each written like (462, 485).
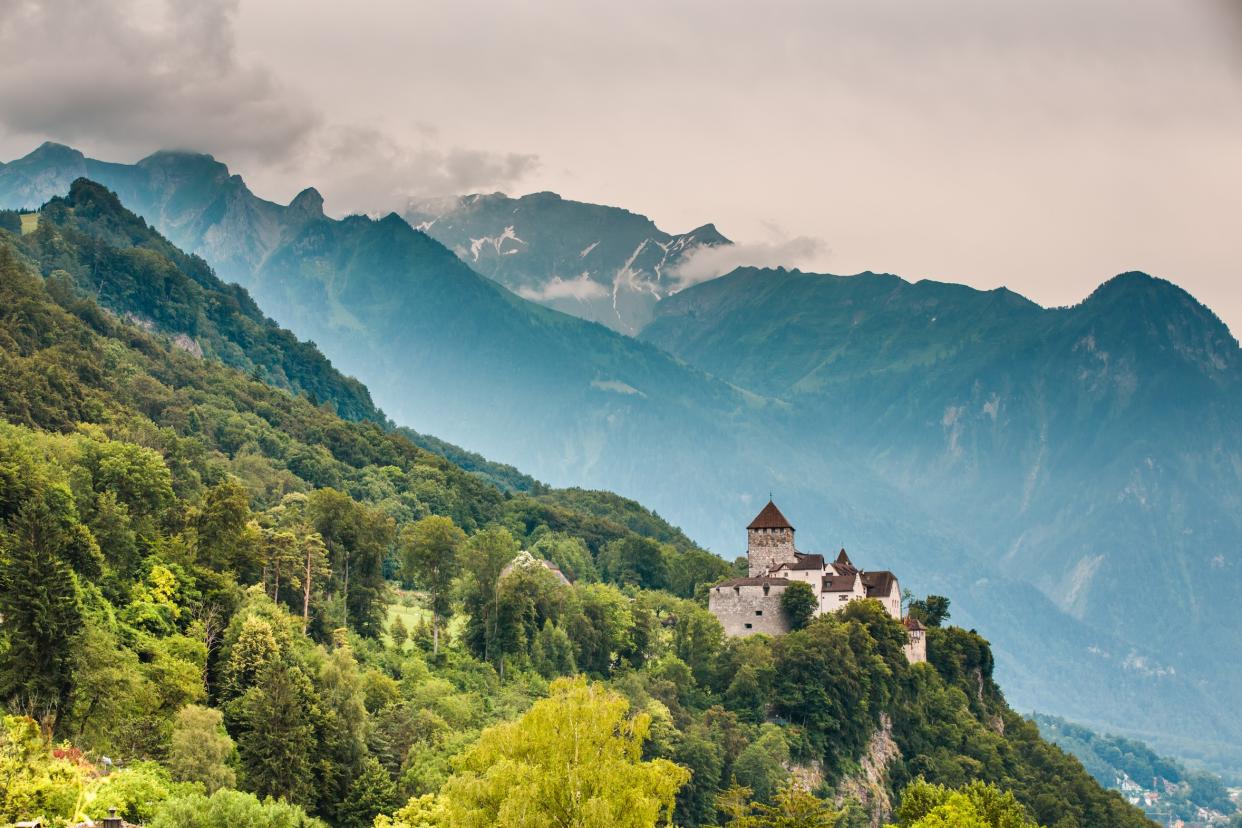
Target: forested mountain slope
(564, 399)
(112, 256)
(194, 562)
(132, 270)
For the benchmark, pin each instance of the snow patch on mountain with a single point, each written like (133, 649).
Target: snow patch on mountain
(495, 242)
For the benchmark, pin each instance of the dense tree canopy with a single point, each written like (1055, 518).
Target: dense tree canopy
(574, 758)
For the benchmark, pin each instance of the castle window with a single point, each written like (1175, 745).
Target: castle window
(765, 589)
(758, 612)
(748, 626)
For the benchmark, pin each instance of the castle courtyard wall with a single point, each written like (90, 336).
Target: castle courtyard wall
(746, 610)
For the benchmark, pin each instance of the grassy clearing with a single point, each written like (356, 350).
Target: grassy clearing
(30, 223)
(410, 605)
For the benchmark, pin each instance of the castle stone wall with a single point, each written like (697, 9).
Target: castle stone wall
(765, 548)
(746, 610)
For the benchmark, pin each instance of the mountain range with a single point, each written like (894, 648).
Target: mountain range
(1044, 467)
(1092, 451)
(589, 260)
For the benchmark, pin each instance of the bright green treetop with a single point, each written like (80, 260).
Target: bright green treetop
(977, 805)
(574, 759)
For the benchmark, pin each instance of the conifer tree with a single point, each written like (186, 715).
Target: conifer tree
(315, 569)
(41, 612)
(398, 632)
(278, 735)
(371, 793)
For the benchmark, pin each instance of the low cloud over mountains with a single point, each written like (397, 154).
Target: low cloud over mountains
(125, 82)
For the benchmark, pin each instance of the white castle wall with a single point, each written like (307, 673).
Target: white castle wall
(916, 646)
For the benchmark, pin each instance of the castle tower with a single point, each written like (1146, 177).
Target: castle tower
(769, 541)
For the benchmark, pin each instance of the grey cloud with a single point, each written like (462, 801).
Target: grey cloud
(120, 82)
(704, 263)
(367, 170)
(77, 70)
(580, 287)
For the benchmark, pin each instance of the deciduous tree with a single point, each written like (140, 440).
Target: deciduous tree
(429, 558)
(976, 805)
(573, 759)
(200, 749)
(798, 603)
(932, 610)
(484, 557)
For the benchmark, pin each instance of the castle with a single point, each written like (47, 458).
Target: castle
(750, 605)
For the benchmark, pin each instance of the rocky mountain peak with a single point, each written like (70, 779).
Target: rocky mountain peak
(50, 152)
(308, 203)
(707, 234)
(1138, 297)
(181, 165)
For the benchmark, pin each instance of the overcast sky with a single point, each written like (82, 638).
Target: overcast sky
(1042, 145)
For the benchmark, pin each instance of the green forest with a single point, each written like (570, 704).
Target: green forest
(1115, 760)
(234, 594)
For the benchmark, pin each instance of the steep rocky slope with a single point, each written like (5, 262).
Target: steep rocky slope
(596, 262)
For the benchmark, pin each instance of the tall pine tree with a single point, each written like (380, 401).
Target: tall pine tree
(278, 738)
(39, 604)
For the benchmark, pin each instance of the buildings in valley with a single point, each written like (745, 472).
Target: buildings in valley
(750, 605)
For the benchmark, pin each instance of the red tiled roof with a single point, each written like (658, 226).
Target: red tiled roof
(879, 584)
(806, 562)
(843, 558)
(839, 583)
(770, 518)
(912, 623)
